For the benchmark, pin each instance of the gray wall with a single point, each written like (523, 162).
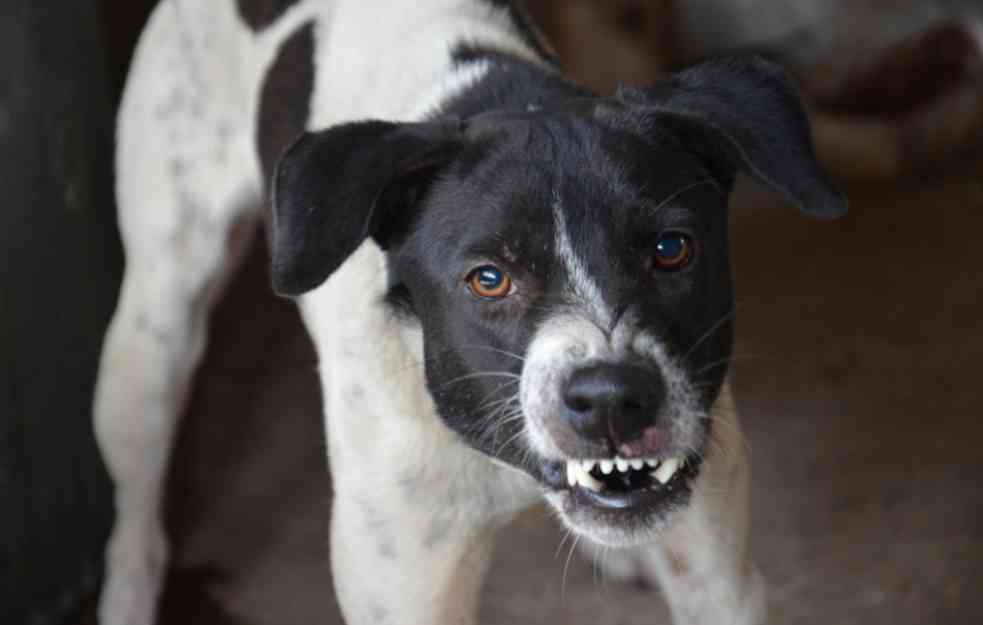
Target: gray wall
(812, 28)
(59, 272)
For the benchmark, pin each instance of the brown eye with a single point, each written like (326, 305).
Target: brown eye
(489, 282)
(673, 250)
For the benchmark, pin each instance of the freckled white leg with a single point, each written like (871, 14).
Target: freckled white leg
(186, 193)
(414, 518)
(700, 561)
(151, 350)
(412, 547)
(399, 563)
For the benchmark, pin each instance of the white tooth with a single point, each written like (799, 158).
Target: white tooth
(652, 462)
(607, 466)
(572, 471)
(587, 481)
(588, 465)
(666, 471)
(637, 464)
(621, 463)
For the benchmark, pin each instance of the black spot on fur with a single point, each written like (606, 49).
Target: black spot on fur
(387, 550)
(285, 98)
(258, 14)
(379, 614)
(148, 326)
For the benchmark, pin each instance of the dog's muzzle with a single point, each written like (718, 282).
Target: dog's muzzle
(615, 424)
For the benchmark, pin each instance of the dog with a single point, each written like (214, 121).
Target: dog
(518, 290)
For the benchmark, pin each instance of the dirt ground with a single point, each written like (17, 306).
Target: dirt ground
(858, 359)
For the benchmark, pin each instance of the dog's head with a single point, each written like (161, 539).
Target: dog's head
(568, 268)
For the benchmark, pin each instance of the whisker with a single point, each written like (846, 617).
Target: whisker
(509, 441)
(482, 374)
(672, 196)
(713, 328)
(487, 402)
(563, 582)
(566, 534)
(488, 348)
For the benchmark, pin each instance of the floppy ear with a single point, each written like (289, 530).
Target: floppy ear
(335, 188)
(744, 114)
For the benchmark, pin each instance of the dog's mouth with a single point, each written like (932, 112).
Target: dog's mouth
(620, 489)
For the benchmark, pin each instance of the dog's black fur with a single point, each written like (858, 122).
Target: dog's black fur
(476, 184)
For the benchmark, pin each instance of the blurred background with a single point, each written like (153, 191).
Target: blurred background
(858, 353)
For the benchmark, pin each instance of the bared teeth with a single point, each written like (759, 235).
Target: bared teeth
(666, 470)
(579, 471)
(588, 481)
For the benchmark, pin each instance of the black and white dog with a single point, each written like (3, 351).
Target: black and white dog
(518, 290)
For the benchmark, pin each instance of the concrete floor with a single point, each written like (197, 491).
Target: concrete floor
(859, 350)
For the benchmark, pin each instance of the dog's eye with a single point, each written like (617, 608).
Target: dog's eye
(673, 250)
(489, 282)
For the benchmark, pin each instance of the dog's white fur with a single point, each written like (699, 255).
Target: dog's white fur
(415, 510)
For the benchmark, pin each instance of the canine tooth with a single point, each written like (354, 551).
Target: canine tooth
(588, 481)
(621, 463)
(588, 465)
(666, 471)
(637, 464)
(572, 471)
(607, 466)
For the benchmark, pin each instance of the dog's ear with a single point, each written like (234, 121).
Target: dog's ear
(335, 188)
(743, 114)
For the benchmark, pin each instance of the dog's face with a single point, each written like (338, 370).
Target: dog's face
(570, 279)
(568, 270)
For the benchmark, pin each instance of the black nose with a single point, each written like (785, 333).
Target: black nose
(613, 401)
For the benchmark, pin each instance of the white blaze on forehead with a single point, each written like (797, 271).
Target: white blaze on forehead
(579, 280)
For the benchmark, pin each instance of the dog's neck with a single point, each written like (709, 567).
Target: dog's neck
(484, 80)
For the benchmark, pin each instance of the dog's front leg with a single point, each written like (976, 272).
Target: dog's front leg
(413, 524)
(406, 563)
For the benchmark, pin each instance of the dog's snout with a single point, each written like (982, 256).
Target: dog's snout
(613, 401)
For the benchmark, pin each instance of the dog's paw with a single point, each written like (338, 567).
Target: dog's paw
(136, 560)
